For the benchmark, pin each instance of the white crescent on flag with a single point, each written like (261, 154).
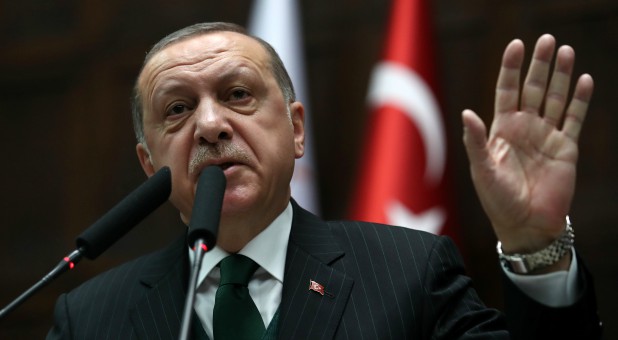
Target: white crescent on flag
(397, 85)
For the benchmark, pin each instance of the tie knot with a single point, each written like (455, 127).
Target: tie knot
(237, 269)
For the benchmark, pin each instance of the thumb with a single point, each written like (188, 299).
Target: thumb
(474, 137)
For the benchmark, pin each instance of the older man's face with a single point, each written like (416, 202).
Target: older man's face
(212, 99)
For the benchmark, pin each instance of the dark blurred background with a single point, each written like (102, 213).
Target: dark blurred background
(67, 145)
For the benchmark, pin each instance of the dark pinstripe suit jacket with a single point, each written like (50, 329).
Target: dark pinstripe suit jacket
(381, 282)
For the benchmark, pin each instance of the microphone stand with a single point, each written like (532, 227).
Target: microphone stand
(68, 262)
(199, 249)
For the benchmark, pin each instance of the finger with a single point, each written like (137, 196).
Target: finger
(475, 138)
(576, 112)
(558, 90)
(507, 87)
(535, 84)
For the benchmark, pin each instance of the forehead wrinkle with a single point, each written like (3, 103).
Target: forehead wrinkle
(196, 53)
(154, 72)
(185, 79)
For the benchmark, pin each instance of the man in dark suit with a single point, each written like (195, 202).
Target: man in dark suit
(210, 94)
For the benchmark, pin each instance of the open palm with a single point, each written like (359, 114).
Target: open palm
(524, 172)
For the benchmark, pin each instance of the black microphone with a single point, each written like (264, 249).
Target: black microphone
(126, 214)
(108, 229)
(207, 207)
(203, 230)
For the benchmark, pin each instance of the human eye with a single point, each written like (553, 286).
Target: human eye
(177, 109)
(239, 95)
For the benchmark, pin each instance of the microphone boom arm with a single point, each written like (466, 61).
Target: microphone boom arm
(67, 263)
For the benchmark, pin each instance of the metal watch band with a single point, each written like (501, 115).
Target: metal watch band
(525, 263)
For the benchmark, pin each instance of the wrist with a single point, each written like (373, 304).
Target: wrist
(552, 258)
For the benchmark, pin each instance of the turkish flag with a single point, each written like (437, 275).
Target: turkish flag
(403, 170)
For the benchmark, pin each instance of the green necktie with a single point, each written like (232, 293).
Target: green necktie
(235, 314)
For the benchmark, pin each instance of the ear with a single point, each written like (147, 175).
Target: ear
(297, 113)
(143, 154)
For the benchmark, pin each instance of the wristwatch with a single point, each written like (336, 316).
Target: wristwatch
(525, 263)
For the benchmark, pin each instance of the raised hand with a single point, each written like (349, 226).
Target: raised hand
(524, 171)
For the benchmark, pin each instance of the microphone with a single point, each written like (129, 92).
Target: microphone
(126, 214)
(206, 212)
(203, 230)
(108, 229)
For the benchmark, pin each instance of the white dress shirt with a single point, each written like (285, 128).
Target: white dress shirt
(268, 250)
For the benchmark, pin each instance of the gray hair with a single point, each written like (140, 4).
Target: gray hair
(277, 68)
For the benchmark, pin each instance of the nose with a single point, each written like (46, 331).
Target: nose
(212, 124)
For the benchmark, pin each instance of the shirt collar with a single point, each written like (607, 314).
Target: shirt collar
(267, 249)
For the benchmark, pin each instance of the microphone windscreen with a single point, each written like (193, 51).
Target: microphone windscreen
(126, 214)
(207, 207)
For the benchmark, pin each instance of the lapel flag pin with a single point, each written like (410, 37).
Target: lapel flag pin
(316, 287)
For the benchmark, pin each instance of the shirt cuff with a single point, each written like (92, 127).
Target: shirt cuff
(558, 289)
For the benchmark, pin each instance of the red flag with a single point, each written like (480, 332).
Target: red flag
(402, 175)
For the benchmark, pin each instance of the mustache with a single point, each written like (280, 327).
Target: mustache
(209, 152)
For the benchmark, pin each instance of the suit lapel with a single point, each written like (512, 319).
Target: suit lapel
(312, 249)
(158, 315)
